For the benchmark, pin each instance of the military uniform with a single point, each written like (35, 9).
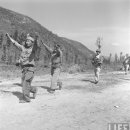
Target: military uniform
(126, 64)
(55, 69)
(56, 62)
(27, 64)
(97, 63)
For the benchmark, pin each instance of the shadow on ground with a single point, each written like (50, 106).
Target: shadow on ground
(124, 79)
(87, 80)
(45, 87)
(75, 87)
(19, 95)
(90, 87)
(17, 84)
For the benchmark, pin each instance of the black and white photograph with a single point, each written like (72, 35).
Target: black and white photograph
(64, 64)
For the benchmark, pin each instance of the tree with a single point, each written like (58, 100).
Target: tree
(116, 58)
(110, 56)
(66, 56)
(4, 56)
(121, 53)
(99, 42)
(10, 60)
(8, 43)
(76, 59)
(15, 36)
(1, 40)
(127, 55)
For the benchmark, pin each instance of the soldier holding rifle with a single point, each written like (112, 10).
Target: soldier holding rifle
(97, 63)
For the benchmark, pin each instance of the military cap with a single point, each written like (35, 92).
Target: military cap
(30, 38)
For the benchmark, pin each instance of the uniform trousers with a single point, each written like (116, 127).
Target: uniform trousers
(55, 74)
(126, 67)
(27, 77)
(97, 72)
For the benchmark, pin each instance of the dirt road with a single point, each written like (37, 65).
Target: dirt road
(80, 105)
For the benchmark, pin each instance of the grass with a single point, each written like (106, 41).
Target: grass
(11, 71)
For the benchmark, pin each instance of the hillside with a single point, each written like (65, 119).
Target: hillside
(19, 25)
(87, 52)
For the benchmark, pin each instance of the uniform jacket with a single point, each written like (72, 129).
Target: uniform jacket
(27, 56)
(97, 60)
(56, 58)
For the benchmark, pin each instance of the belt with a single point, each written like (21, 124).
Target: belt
(28, 65)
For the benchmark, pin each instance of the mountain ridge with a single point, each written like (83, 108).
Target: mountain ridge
(19, 25)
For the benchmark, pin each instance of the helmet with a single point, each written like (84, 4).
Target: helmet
(30, 38)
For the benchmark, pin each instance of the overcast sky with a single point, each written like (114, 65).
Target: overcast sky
(82, 20)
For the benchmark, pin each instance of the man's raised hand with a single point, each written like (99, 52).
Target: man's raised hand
(7, 35)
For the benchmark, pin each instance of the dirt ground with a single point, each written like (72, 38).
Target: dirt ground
(80, 105)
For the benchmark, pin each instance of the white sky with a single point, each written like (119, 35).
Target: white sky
(81, 20)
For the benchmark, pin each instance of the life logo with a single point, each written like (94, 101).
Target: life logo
(118, 126)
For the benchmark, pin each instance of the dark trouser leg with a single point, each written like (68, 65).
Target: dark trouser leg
(27, 85)
(126, 68)
(26, 91)
(33, 89)
(59, 82)
(55, 78)
(22, 78)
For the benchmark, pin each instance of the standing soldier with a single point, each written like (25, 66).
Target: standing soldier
(126, 65)
(28, 66)
(56, 62)
(97, 62)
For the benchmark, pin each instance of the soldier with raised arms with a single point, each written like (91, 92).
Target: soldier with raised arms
(56, 62)
(27, 62)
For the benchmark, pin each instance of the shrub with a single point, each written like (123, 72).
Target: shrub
(74, 68)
